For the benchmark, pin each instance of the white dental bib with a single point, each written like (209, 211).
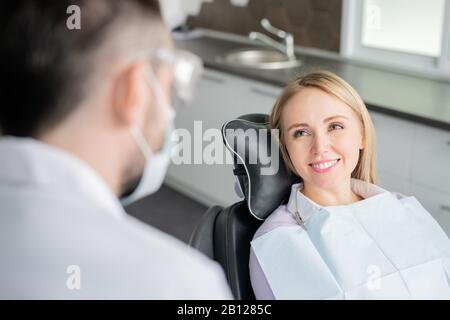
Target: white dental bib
(377, 248)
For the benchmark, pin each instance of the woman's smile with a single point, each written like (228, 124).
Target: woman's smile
(324, 165)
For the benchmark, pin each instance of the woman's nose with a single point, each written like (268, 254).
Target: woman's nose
(320, 144)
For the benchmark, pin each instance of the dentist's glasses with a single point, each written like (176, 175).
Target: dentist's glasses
(187, 70)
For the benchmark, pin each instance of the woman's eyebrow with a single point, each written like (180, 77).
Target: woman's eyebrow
(325, 120)
(297, 125)
(334, 117)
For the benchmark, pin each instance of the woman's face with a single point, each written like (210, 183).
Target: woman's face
(323, 137)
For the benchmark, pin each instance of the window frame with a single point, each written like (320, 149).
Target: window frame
(353, 49)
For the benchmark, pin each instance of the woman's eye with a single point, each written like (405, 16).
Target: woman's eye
(336, 126)
(300, 133)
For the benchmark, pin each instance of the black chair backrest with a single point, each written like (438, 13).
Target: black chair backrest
(224, 234)
(263, 177)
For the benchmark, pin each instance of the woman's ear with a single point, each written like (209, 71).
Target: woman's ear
(130, 95)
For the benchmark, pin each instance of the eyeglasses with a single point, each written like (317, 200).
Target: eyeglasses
(187, 69)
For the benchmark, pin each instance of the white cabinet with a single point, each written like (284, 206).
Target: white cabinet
(437, 203)
(392, 183)
(430, 172)
(220, 97)
(431, 158)
(393, 145)
(414, 159)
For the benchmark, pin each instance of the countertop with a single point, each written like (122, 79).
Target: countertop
(414, 98)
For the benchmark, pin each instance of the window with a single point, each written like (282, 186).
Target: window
(407, 34)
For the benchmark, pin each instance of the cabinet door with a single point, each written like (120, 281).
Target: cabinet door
(394, 145)
(220, 97)
(431, 158)
(258, 97)
(212, 105)
(437, 203)
(392, 183)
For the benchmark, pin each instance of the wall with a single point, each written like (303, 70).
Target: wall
(314, 23)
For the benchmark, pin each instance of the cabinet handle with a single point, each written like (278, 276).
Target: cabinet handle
(264, 92)
(445, 207)
(448, 142)
(211, 78)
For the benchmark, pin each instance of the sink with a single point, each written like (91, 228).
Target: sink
(259, 59)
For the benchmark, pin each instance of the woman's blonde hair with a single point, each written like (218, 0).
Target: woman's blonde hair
(335, 86)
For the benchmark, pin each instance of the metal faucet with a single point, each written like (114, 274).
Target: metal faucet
(287, 48)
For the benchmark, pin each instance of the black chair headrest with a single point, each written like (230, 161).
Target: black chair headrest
(263, 177)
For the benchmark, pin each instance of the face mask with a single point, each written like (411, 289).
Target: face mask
(187, 69)
(155, 163)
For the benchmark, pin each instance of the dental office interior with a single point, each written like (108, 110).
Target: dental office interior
(394, 53)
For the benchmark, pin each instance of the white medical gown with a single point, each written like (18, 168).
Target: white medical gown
(382, 247)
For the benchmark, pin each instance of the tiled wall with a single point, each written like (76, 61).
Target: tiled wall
(314, 23)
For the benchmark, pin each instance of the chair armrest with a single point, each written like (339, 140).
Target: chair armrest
(202, 237)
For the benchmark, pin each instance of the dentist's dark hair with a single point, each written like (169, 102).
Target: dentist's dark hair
(46, 68)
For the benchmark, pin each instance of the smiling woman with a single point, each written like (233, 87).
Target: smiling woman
(340, 236)
(327, 136)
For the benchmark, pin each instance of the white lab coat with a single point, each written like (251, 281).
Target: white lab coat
(64, 235)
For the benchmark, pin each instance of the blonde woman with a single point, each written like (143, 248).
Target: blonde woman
(340, 236)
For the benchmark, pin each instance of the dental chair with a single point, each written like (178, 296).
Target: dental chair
(224, 234)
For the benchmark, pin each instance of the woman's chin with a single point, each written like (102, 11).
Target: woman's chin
(328, 182)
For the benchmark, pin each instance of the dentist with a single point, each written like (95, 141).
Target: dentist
(86, 121)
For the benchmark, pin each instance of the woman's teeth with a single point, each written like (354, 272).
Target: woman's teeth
(324, 165)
